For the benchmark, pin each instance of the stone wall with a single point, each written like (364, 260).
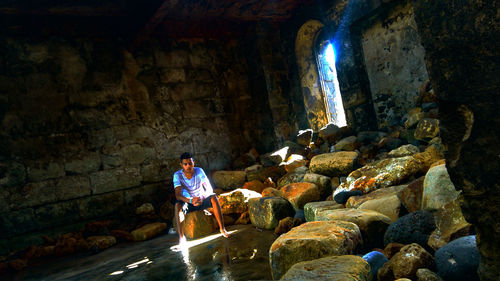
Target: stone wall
(89, 127)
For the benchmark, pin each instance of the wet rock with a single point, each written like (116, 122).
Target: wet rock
(150, 230)
(424, 274)
(229, 179)
(296, 176)
(312, 240)
(411, 196)
(372, 224)
(255, 185)
(347, 144)
(389, 206)
(266, 212)
(304, 137)
(272, 192)
(338, 268)
(334, 164)
(236, 201)
(356, 201)
(458, 260)
(99, 243)
(427, 129)
(376, 260)
(405, 263)
(450, 223)
(312, 209)
(405, 150)
(414, 116)
(322, 182)
(438, 189)
(411, 228)
(298, 194)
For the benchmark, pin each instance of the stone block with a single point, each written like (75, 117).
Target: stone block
(60, 213)
(427, 129)
(116, 179)
(298, 194)
(229, 179)
(99, 243)
(266, 212)
(322, 182)
(356, 201)
(148, 231)
(43, 171)
(100, 205)
(198, 224)
(438, 189)
(334, 164)
(347, 144)
(18, 222)
(389, 206)
(236, 201)
(172, 75)
(84, 164)
(312, 209)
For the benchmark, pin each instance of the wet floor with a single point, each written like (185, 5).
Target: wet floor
(243, 256)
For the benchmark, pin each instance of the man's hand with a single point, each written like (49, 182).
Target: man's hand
(196, 201)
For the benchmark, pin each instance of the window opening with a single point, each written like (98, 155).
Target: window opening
(330, 84)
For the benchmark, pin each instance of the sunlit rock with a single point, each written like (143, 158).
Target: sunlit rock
(198, 224)
(229, 179)
(334, 164)
(312, 240)
(331, 133)
(322, 182)
(389, 206)
(371, 223)
(356, 201)
(304, 137)
(312, 209)
(149, 231)
(255, 185)
(296, 176)
(438, 189)
(272, 192)
(265, 173)
(293, 162)
(405, 150)
(405, 263)
(298, 194)
(337, 268)
(266, 212)
(236, 201)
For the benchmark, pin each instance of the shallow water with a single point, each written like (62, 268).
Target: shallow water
(243, 256)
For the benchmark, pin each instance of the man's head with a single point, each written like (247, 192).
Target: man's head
(187, 162)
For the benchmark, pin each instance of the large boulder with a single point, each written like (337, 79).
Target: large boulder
(266, 212)
(337, 268)
(405, 263)
(356, 201)
(405, 150)
(411, 196)
(347, 144)
(458, 260)
(229, 179)
(148, 231)
(334, 164)
(304, 137)
(236, 201)
(198, 224)
(312, 240)
(272, 192)
(438, 189)
(372, 224)
(254, 185)
(296, 176)
(389, 206)
(411, 228)
(101, 242)
(298, 194)
(388, 172)
(312, 209)
(322, 182)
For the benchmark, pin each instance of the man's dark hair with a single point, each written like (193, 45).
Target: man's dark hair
(186, 155)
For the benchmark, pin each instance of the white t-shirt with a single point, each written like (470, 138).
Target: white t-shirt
(197, 186)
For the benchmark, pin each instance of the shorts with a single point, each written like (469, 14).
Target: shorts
(188, 208)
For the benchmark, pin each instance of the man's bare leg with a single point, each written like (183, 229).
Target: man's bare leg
(179, 223)
(218, 215)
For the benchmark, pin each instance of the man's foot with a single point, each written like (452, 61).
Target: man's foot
(224, 233)
(178, 247)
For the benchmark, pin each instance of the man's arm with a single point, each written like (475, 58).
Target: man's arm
(179, 196)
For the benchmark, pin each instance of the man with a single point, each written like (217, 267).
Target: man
(193, 192)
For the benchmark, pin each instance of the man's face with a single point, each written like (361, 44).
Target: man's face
(187, 165)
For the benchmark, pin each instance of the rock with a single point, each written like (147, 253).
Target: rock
(458, 260)
(427, 129)
(122, 235)
(198, 224)
(263, 174)
(388, 172)
(296, 176)
(356, 201)
(367, 137)
(273, 158)
(330, 133)
(311, 209)
(405, 150)
(229, 179)
(243, 219)
(299, 215)
(389, 206)
(228, 220)
(236, 201)
(266, 212)
(347, 144)
(293, 162)
(376, 260)
(343, 196)
(304, 137)
(372, 224)
(337, 268)
(450, 222)
(405, 263)
(167, 211)
(312, 240)
(429, 106)
(392, 248)
(414, 116)
(438, 189)
(334, 164)
(322, 182)
(411, 196)
(388, 143)
(255, 185)
(99, 243)
(411, 228)
(146, 208)
(150, 230)
(298, 194)
(243, 161)
(272, 192)
(284, 226)
(424, 274)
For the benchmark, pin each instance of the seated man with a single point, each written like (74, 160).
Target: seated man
(193, 192)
